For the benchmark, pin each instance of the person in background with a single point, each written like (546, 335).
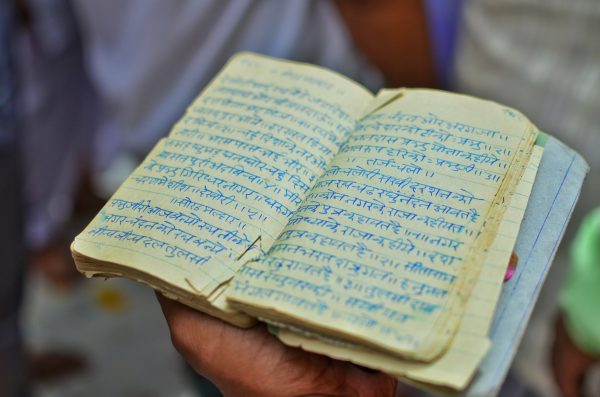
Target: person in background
(103, 81)
(145, 61)
(543, 57)
(12, 358)
(576, 346)
(57, 115)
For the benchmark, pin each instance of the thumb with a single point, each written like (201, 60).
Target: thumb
(367, 384)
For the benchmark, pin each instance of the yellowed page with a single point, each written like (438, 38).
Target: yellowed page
(458, 365)
(234, 170)
(388, 242)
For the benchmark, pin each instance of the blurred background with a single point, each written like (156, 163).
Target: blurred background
(87, 88)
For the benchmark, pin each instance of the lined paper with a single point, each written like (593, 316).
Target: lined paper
(233, 171)
(458, 365)
(381, 250)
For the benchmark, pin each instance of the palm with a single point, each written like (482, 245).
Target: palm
(251, 362)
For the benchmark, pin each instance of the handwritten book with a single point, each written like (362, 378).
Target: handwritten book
(456, 367)
(291, 194)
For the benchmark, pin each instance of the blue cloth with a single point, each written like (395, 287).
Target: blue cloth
(443, 19)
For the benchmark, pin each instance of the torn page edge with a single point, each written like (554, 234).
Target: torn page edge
(384, 97)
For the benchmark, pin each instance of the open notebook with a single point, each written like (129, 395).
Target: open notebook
(374, 229)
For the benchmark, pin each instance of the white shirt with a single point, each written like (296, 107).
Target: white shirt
(150, 58)
(543, 58)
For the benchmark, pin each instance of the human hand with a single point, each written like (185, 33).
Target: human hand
(253, 363)
(569, 363)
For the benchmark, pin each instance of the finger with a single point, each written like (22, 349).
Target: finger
(568, 365)
(380, 385)
(512, 267)
(372, 384)
(191, 331)
(570, 382)
(167, 305)
(344, 379)
(569, 375)
(179, 315)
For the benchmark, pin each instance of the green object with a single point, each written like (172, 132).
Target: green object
(542, 139)
(580, 298)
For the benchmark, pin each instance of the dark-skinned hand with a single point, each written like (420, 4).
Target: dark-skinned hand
(253, 363)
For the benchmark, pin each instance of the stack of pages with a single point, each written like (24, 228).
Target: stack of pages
(372, 229)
